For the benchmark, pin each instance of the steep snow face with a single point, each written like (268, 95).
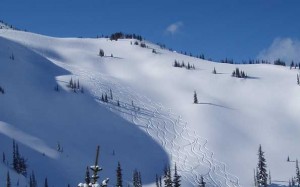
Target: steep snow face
(40, 119)
(214, 138)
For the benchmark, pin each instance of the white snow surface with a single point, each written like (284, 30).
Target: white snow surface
(156, 123)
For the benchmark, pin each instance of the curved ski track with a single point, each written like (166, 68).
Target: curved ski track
(184, 146)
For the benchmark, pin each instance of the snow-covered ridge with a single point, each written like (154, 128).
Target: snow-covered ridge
(217, 138)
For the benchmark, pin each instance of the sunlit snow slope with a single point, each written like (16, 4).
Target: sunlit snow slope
(156, 123)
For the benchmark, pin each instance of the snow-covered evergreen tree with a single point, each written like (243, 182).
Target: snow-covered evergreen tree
(261, 175)
(176, 180)
(101, 52)
(214, 71)
(8, 183)
(87, 176)
(157, 181)
(270, 179)
(195, 97)
(297, 174)
(119, 176)
(201, 182)
(167, 177)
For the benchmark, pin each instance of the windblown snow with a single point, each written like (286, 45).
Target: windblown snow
(156, 123)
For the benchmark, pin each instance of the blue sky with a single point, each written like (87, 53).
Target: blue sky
(238, 29)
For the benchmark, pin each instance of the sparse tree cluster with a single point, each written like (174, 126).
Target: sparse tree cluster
(104, 98)
(257, 61)
(7, 25)
(183, 65)
(227, 61)
(295, 181)
(169, 181)
(75, 86)
(19, 162)
(294, 65)
(279, 62)
(120, 35)
(137, 179)
(239, 74)
(141, 44)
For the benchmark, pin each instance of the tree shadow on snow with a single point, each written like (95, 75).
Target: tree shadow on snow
(216, 105)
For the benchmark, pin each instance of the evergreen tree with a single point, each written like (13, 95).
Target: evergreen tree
(105, 98)
(34, 183)
(87, 176)
(1, 90)
(46, 182)
(3, 157)
(292, 65)
(195, 97)
(298, 81)
(262, 176)
(14, 156)
(56, 88)
(270, 179)
(30, 181)
(71, 83)
(135, 178)
(101, 52)
(168, 177)
(139, 179)
(255, 179)
(17, 159)
(293, 182)
(111, 95)
(297, 174)
(214, 71)
(157, 181)
(8, 183)
(176, 180)
(288, 159)
(119, 176)
(201, 182)
(160, 182)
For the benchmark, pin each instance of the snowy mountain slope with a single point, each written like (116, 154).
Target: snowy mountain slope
(31, 107)
(235, 115)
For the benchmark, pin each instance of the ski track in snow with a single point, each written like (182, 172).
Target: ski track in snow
(184, 146)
